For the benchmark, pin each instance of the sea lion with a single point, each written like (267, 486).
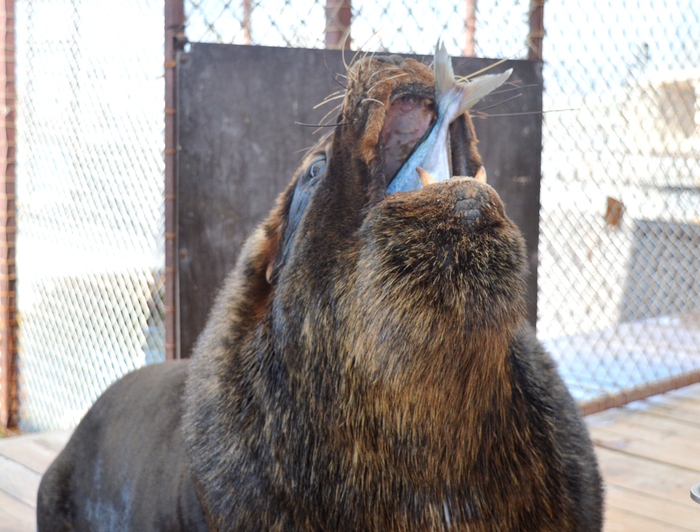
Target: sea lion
(367, 364)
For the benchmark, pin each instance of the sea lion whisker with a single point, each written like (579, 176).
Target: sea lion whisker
(330, 98)
(302, 124)
(302, 150)
(354, 57)
(487, 68)
(384, 81)
(524, 113)
(383, 70)
(462, 79)
(334, 77)
(499, 103)
(515, 87)
(364, 44)
(323, 120)
(372, 100)
(345, 63)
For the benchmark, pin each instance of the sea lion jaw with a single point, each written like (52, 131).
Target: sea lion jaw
(403, 115)
(452, 99)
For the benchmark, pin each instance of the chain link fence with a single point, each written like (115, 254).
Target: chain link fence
(398, 26)
(619, 281)
(619, 250)
(89, 200)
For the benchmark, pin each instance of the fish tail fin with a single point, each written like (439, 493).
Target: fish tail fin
(471, 92)
(480, 87)
(442, 68)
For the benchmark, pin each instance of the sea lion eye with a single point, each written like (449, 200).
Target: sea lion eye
(316, 169)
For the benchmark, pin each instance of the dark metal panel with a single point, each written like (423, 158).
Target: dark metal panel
(239, 144)
(510, 143)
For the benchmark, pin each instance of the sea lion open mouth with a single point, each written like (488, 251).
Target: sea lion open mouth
(417, 117)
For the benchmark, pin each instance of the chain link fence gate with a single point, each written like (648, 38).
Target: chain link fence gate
(619, 249)
(89, 200)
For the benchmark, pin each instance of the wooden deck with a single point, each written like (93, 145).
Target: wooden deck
(23, 459)
(649, 453)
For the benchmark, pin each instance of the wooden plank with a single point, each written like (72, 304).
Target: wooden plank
(26, 451)
(660, 446)
(692, 392)
(19, 481)
(15, 516)
(54, 440)
(684, 404)
(653, 478)
(671, 512)
(653, 420)
(618, 520)
(675, 411)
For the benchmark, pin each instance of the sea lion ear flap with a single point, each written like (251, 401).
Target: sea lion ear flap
(272, 244)
(465, 156)
(277, 253)
(270, 271)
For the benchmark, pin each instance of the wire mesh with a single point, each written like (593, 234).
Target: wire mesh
(619, 283)
(89, 200)
(398, 26)
(619, 249)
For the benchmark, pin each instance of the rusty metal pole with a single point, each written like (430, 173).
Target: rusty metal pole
(338, 23)
(247, 11)
(470, 28)
(174, 41)
(9, 402)
(537, 32)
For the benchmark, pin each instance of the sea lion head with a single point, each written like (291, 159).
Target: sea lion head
(397, 274)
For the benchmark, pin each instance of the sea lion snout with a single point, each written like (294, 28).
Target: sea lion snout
(475, 202)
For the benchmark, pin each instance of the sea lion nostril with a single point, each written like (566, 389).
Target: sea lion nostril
(467, 209)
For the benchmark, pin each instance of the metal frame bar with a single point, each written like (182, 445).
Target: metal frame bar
(174, 42)
(9, 404)
(470, 27)
(637, 394)
(338, 24)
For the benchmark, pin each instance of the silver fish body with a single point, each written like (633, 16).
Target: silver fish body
(452, 99)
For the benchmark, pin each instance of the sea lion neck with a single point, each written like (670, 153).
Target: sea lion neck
(439, 277)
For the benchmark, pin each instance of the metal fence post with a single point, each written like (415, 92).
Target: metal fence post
(338, 22)
(8, 317)
(537, 32)
(470, 28)
(174, 41)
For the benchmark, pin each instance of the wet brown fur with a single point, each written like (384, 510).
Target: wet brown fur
(367, 366)
(386, 380)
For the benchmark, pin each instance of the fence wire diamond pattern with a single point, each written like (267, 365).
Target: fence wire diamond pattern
(90, 201)
(619, 250)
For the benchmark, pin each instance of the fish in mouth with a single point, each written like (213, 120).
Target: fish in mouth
(408, 116)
